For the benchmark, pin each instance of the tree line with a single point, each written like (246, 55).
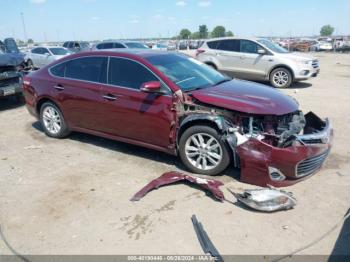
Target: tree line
(203, 33)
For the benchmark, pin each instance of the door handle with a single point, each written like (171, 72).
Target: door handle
(59, 87)
(110, 97)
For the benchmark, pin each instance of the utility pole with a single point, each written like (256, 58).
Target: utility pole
(24, 28)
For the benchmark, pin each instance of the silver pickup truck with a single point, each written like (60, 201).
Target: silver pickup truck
(257, 59)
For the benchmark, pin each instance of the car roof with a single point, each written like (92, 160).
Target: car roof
(140, 52)
(236, 38)
(118, 41)
(47, 46)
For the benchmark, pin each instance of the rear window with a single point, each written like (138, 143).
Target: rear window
(213, 44)
(58, 70)
(93, 69)
(136, 45)
(229, 45)
(59, 51)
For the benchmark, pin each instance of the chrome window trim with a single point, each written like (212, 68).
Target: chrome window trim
(108, 58)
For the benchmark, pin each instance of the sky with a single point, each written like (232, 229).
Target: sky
(60, 20)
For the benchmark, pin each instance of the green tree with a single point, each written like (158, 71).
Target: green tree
(218, 31)
(185, 33)
(30, 41)
(195, 35)
(19, 42)
(327, 30)
(203, 31)
(229, 33)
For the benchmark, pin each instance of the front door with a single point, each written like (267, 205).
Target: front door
(253, 65)
(130, 113)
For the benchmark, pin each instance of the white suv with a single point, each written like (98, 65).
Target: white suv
(257, 59)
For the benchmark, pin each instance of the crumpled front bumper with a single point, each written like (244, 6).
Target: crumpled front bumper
(263, 164)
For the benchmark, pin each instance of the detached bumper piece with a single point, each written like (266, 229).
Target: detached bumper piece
(263, 164)
(172, 177)
(266, 200)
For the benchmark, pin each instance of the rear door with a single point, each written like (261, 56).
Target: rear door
(77, 88)
(130, 113)
(253, 65)
(229, 56)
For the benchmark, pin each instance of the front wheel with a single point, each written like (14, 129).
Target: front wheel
(202, 150)
(281, 78)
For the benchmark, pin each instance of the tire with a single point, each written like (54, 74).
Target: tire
(281, 78)
(190, 152)
(52, 121)
(30, 63)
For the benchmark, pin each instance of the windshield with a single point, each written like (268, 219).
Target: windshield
(272, 46)
(11, 46)
(187, 73)
(136, 45)
(59, 51)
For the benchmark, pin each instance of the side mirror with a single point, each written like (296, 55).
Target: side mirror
(47, 54)
(151, 87)
(261, 51)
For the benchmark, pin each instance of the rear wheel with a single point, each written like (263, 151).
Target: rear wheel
(52, 121)
(281, 77)
(202, 150)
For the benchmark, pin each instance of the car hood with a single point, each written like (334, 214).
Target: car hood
(247, 97)
(11, 59)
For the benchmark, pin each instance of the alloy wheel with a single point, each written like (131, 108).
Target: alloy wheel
(280, 78)
(203, 151)
(52, 120)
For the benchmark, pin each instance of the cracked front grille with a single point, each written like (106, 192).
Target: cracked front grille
(310, 165)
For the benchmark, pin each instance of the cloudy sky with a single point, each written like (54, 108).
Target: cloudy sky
(103, 19)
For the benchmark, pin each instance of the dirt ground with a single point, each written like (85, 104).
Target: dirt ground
(71, 196)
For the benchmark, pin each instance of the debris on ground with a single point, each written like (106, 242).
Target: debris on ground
(266, 199)
(32, 147)
(172, 177)
(207, 246)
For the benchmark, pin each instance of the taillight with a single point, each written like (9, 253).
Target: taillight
(199, 51)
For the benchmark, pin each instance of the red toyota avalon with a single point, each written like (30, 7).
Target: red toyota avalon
(173, 103)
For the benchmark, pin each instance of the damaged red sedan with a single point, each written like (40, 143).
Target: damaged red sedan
(173, 103)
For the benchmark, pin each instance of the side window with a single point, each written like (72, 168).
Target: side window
(108, 46)
(70, 44)
(118, 45)
(65, 44)
(45, 51)
(87, 68)
(212, 44)
(76, 45)
(127, 73)
(100, 46)
(229, 45)
(36, 51)
(249, 47)
(58, 70)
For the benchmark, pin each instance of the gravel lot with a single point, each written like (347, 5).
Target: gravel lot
(71, 196)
